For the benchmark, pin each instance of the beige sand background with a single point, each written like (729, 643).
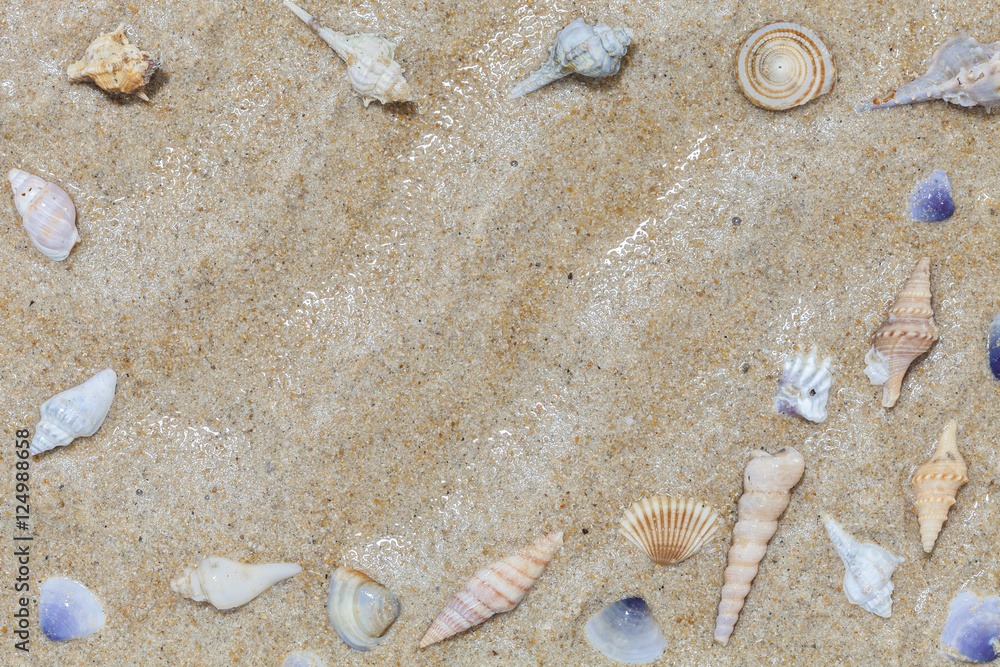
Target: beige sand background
(412, 339)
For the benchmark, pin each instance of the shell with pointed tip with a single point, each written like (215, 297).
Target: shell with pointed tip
(931, 199)
(302, 659)
(580, 49)
(226, 583)
(67, 610)
(962, 71)
(908, 332)
(115, 65)
(75, 413)
(936, 483)
(625, 631)
(669, 529)
(783, 65)
(993, 346)
(804, 388)
(767, 484)
(972, 631)
(47, 213)
(493, 590)
(360, 609)
(371, 65)
(868, 579)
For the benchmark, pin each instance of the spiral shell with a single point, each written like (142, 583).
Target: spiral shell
(669, 530)
(115, 65)
(869, 568)
(75, 413)
(47, 212)
(936, 483)
(361, 610)
(782, 65)
(227, 584)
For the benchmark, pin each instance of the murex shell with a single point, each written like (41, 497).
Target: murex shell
(74, 413)
(962, 71)
(580, 49)
(931, 199)
(972, 631)
(47, 213)
(936, 484)
(371, 65)
(669, 530)
(783, 65)
(804, 388)
(360, 609)
(227, 584)
(868, 579)
(115, 65)
(625, 631)
(67, 610)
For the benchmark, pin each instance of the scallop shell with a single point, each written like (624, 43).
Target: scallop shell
(67, 610)
(625, 631)
(972, 631)
(783, 65)
(360, 609)
(931, 199)
(371, 65)
(868, 579)
(669, 530)
(936, 483)
(804, 388)
(493, 590)
(993, 346)
(908, 332)
(115, 65)
(47, 212)
(595, 52)
(227, 584)
(74, 413)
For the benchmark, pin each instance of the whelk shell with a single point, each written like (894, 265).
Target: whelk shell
(360, 609)
(115, 65)
(669, 530)
(227, 584)
(936, 484)
(625, 631)
(804, 388)
(74, 413)
(783, 65)
(869, 567)
(67, 610)
(47, 213)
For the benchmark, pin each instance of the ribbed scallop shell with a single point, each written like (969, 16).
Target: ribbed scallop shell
(115, 65)
(361, 610)
(227, 583)
(936, 484)
(47, 212)
(782, 65)
(493, 590)
(669, 530)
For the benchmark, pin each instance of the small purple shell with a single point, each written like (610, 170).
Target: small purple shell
(972, 631)
(931, 200)
(993, 347)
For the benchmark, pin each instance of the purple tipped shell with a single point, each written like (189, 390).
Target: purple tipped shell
(972, 631)
(931, 200)
(993, 347)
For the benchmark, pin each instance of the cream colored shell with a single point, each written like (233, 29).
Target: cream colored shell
(115, 65)
(47, 213)
(669, 530)
(936, 484)
(783, 65)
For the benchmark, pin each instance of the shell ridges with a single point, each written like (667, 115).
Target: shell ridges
(936, 484)
(782, 65)
(669, 530)
(360, 609)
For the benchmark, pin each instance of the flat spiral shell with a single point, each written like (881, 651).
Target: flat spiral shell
(782, 65)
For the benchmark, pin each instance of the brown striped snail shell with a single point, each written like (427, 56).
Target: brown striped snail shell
(782, 65)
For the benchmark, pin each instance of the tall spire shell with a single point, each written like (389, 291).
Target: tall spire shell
(908, 332)
(493, 590)
(669, 530)
(75, 413)
(936, 484)
(47, 213)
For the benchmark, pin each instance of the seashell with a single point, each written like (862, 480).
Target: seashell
(962, 71)
(767, 484)
(993, 346)
(374, 73)
(868, 579)
(931, 200)
(579, 49)
(227, 584)
(302, 659)
(783, 65)
(67, 610)
(972, 631)
(908, 331)
(115, 65)
(361, 609)
(936, 483)
(625, 631)
(47, 213)
(669, 530)
(804, 389)
(493, 590)
(75, 413)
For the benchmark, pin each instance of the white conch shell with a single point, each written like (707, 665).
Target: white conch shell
(226, 583)
(360, 609)
(868, 579)
(47, 212)
(669, 530)
(493, 590)
(962, 71)
(115, 65)
(374, 73)
(74, 413)
(595, 52)
(781, 65)
(908, 331)
(804, 389)
(936, 483)
(767, 484)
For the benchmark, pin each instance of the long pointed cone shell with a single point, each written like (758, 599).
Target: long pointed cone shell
(936, 483)
(767, 485)
(493, 590)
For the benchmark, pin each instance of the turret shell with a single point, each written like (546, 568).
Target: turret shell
(936, 484)
(669, 530)
(361, 610)
(47, 213)
(781, 65)
(74, 413)
(227, 584)
(115, 65)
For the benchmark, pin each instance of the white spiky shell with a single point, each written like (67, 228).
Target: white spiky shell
(804, 388)
(47, 213)
(361, 610)
(936, 484)
(869, 567)
(115, 65)
(227, 583)
(781, 65)
(669, 530)
(74, 413)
